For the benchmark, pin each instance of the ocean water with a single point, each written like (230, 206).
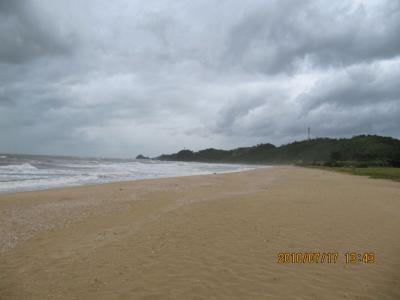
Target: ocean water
(33, 172)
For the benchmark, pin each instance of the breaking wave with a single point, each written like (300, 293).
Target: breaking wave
(26, 173)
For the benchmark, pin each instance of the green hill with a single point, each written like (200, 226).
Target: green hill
(362, 150)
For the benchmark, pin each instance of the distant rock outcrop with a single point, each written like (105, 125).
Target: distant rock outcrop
(140, 156)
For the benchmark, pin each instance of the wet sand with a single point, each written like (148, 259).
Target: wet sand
(203, 237)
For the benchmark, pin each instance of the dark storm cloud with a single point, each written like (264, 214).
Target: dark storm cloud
(122, 77)
(285, 34)
(360, 85)
(353, 100)
(23, 35)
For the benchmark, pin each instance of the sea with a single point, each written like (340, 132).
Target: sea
(40, 172)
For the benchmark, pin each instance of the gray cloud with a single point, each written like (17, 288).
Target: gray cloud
(123, 77)
(23, 35)
(360, 98)
(283, 35)
(358, 85)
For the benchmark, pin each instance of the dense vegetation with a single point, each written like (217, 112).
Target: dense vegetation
(359, 151)
(373, 172)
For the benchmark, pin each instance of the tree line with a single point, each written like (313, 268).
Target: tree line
(359, 151)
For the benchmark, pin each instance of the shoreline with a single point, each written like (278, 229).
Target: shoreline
(202, 236)
(130, 180)
(60, 193)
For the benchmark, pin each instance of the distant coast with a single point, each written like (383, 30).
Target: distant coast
(358, 151)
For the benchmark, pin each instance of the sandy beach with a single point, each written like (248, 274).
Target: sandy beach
(204, 237)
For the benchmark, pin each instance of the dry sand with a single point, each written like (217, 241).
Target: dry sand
(203, 237)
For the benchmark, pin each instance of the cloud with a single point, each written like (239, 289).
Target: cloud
(282, 36)
(122, 77)
(24, 36)
(358, 99)
(357, 85)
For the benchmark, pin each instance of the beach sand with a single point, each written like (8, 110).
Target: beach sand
(203, 237)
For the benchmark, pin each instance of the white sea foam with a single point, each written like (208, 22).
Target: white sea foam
(19, 168)
(36, 173)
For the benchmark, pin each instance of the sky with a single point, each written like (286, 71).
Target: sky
(119, 78)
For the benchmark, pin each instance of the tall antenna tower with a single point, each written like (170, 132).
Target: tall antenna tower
(308, 133)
